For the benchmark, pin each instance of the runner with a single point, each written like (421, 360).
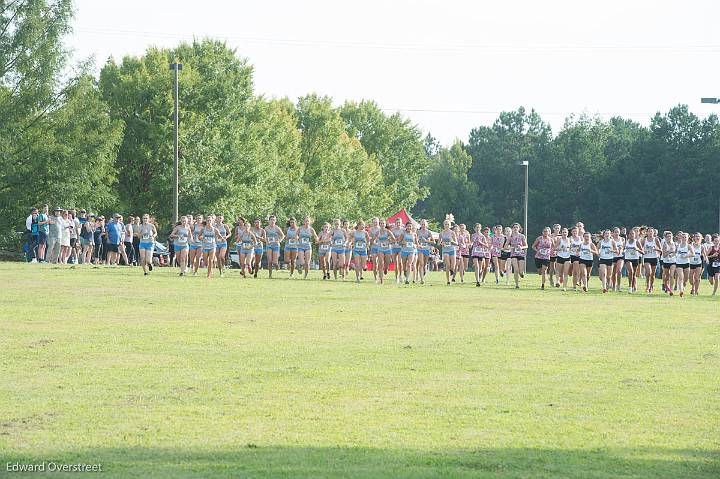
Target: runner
(339, 239)
(651, 247)
(479, 244)
(222, 243)
(562, 260)
(552, 268)
(683, 253)
(496, 245)
(348, 246)
(586, 252)
(713, 259)
(448, 240)
(608, 249)
(696, 264)
(632, 251)
(408, 251)
(618, 260)
(518, 249)
(667, 259)
(307, 237)
(397, 232)
(505, 260)
(384, 240)
(577, 267)
(148, 232)
(543, 248)
(180, 236)
(195, 251)
(274, 236)
(425, 240)
(361, 239)
(259, 247)
(246, 251)
(291, 245)
(373, 231)
(487, 252)
(209, 235)
(324, 249)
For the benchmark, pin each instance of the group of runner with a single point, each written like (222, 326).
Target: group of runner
(559, 253)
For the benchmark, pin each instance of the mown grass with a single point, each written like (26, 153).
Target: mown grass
(163, 376)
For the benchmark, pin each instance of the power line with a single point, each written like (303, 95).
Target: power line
(484, 48)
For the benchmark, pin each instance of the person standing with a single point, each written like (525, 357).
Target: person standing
(43, 228)
(114, 236)
(31, 232)
(128, 241)
(55, 229)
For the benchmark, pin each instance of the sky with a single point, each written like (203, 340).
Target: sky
(447, 65)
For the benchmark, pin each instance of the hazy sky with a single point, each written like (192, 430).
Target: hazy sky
(463, 60)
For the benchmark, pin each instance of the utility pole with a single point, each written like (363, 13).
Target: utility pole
(176, 67)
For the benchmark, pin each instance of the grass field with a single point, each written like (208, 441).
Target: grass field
(163, 376)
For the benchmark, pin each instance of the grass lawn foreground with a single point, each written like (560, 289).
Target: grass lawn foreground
(162, 376)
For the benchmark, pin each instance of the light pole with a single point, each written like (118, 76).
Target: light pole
(527, 167)
(176, 67)
(713, 101)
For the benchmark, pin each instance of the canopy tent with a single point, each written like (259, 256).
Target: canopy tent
(404, 216)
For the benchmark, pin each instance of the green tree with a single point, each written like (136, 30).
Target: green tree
(397, 146)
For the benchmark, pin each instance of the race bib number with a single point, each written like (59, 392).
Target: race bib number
(339, 242)
(384, 244)
(324, 247)
(305, 240)
(544, 252)
(517, 251)
(359, 244)
(272, 239)
(477, 251)
(409, 244)
(447, 244)
(716, 264)
(246, 245)
(292, 242)
(147, 236)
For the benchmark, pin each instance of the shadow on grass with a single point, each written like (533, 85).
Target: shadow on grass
(341, 462)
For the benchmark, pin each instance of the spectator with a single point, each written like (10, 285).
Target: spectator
(31, 230)
(87, 238)
(67, 226)
(74, 231)
(55, 229)
(136, 236)
(114, 232)
(43, 228)
(99, 236)
(128, 242)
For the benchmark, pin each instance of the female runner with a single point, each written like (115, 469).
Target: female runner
(384, 240)
(180, 236)
(651, 247)
(577, 268)
(339, 240)
(448, 241)
(552, 268)
(632, 251)
(487, 252)
(713, 260)
(373, 232)
(246, 250)
(291, 245)
(542, 246)
(607, 250)
(696, 264)
(505, 261)
(563, 261)
(496, 244)
(274, 236)
(148, 232)
(259, 246)
(195, 251)
(238, 230)
(347, 261)
(307, 236)
(618, 260)
(361, 239)
(479, 244)
(667, 258)
(324, 248)
(461, 261)
(209, 235)
(425, 239)
(684, 252)
(586, 252)
(222, 243)
(397, 232)
(409, 244)
(518, 248)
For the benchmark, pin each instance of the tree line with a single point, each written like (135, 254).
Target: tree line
(104, 143)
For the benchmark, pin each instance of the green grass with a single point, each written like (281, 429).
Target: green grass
(184, 377)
